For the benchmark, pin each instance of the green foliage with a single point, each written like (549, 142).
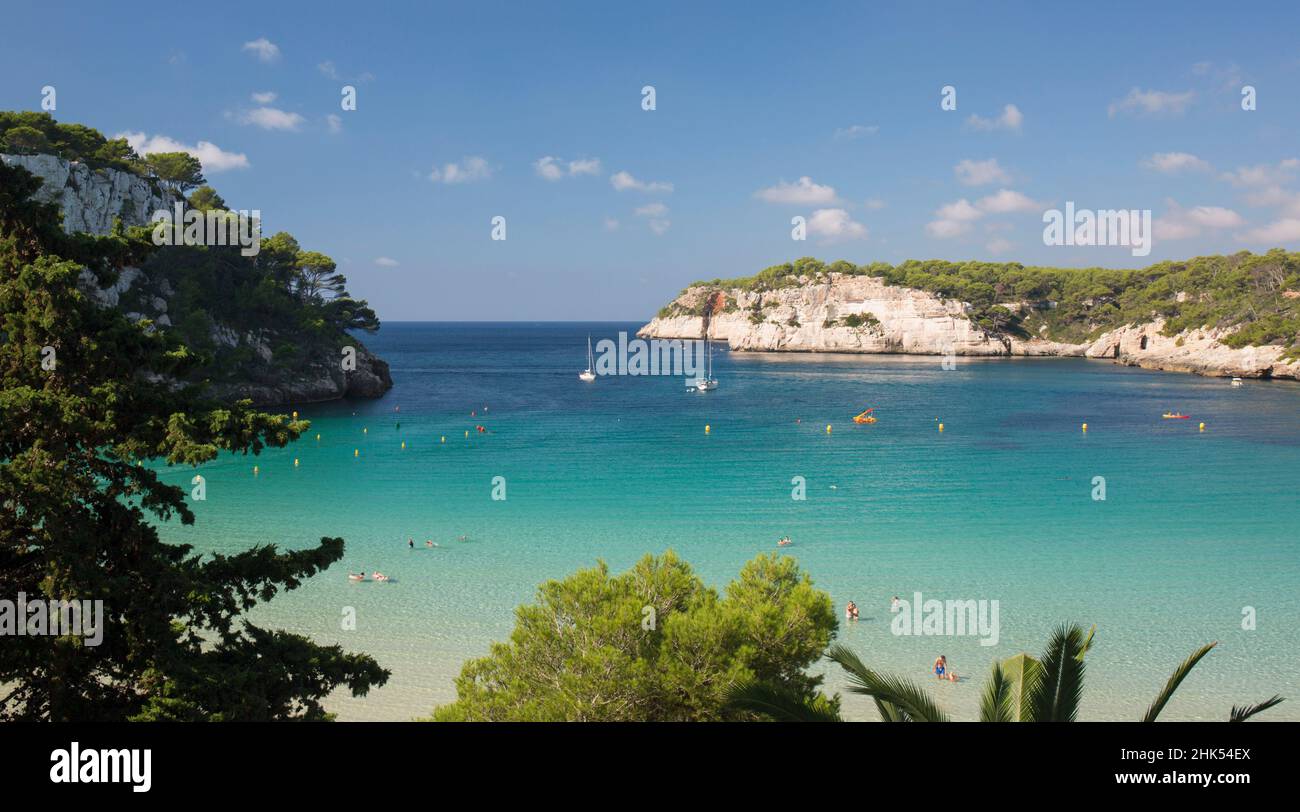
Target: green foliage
(205, 198)
(80, 508)
(75, 142)
(26, 140)
(652, 644)
(178, 171)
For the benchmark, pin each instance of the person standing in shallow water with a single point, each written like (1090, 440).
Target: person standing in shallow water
(410, 542)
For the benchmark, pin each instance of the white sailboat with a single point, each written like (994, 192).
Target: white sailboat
(707, 383)
(589, 374)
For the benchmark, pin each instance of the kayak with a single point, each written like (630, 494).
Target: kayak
(865, 417)
(1169, 416)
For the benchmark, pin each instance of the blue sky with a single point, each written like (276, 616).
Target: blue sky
(1112, 106)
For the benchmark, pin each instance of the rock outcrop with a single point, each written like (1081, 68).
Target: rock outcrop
(863, 314)
(92, 198)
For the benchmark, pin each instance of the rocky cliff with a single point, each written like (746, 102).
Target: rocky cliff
(91, 199)
(863, 314)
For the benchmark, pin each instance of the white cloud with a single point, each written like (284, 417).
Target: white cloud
(1152, 102)
(802, 192)
(585, 166)
(1262, 174)
(954, 219)
(552, 168)
(470, 169)
(1005, 201)
(945, 229)
(328, 70)
(1178, 223)
(1286, 230)
(856, 131)
(548, 168)
(386, 262)
(622, 181)
(213, 158)
(999, 245)
(611, 224)
(1174, 162)
(835, 224)
(271, 118)
(659, 227)
(961, 211)
(1011, 119)
(263, 49)
(652, 210)
(978, 173)
(335, 123)
(264, 98)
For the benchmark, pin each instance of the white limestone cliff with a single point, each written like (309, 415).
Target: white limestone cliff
(810, 318)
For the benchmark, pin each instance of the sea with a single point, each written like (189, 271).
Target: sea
(1165, 534)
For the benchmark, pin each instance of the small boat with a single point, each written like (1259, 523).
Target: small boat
(865, 417)
(1176, 416)
(707, 383)
(1236, 381)
(589, 374)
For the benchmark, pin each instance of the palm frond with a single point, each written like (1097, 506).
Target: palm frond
(1087, 643)
(1059, 688)
(909, 701)
(1021, 671)
(995, 704)
(779, 703)
(1243, 713)
(1175, 680)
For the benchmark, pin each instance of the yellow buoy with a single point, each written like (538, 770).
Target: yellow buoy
(444, 438)
(828, 428)
(318, 438)
(706, 429)
(365, 431)
(1202, 427)
(295, 415)
(295, 462)
(941, 428)
(255, 469)
(356, 452)
(1085, 428)
(467, 434)
(403, 444)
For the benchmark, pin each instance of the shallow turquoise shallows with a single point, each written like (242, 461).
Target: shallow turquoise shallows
(1196, 536)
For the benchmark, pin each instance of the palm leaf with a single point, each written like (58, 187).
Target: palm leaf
(779, 703)
(995, 704)
(1087, 643)
(1021, 672)
(1244, 713)
(1057, 691)
(1175, 680)
(903, 699)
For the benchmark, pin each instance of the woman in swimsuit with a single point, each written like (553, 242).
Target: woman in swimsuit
(941, 667)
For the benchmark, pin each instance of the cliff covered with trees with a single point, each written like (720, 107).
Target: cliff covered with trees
(273, 327)
(1214, 315)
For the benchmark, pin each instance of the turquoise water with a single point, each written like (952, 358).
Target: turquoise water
(1195, 526)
